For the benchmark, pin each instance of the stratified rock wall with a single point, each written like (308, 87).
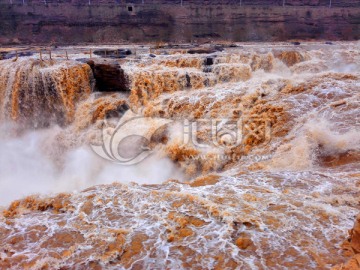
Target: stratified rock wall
(109, 21)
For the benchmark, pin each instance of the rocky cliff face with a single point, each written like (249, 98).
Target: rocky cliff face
(107, 21)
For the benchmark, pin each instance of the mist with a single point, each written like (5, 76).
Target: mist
(27, 168)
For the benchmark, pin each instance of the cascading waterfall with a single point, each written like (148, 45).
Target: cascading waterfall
(40, 93)
(283, 198)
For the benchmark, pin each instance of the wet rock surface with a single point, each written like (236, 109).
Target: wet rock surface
(352, 248)
(109, 77)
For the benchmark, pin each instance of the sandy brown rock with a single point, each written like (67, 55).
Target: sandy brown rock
(243, 242)
(352, 248)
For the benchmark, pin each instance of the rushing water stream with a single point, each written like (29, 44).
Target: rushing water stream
(277, 187)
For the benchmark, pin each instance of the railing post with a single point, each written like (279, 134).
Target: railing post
(67, 57)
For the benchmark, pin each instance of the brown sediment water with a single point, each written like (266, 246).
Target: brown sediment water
(41, 92)
(283, 198)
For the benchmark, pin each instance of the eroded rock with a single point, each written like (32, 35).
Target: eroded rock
(109, 77)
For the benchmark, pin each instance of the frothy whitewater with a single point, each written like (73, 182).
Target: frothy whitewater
(284, 198)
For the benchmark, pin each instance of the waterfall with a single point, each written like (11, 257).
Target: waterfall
(38, 93)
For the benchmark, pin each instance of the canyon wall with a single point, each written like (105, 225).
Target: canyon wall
(105, 21)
